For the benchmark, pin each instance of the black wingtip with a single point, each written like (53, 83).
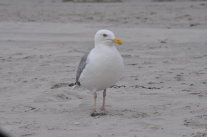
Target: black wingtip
(73, 84)
(77, 83)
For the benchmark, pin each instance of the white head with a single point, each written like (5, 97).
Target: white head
(106, 37)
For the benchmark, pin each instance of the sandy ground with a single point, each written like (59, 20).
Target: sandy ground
(164, 89)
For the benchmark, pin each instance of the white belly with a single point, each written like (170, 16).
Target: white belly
(104, 69)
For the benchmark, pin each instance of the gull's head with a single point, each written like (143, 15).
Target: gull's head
(106, 37)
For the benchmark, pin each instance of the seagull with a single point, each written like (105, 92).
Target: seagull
(101, 67)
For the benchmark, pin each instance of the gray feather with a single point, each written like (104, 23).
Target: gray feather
(81, 67)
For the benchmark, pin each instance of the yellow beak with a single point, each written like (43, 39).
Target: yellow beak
(117, 41)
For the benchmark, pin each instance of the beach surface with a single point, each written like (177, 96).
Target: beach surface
(163, 92)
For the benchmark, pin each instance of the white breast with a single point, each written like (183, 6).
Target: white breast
(104, 68)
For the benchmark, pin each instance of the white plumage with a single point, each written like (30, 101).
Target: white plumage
(102, 67)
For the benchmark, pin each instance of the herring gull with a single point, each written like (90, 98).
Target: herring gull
(101, 67)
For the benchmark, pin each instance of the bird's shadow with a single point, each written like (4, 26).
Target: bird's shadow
(98, 114)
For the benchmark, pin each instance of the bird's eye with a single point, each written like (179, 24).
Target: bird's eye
(105, 35)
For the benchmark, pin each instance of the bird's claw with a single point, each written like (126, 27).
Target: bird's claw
(94, 113)
(102, 113)
(103, 110)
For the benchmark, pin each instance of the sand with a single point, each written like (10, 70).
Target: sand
(163, 92)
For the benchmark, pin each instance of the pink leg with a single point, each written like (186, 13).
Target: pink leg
(94, 105)
(103, 104)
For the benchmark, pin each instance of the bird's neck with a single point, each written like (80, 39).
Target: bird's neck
(104, 44)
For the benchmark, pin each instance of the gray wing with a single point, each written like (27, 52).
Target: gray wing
(81, 67)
